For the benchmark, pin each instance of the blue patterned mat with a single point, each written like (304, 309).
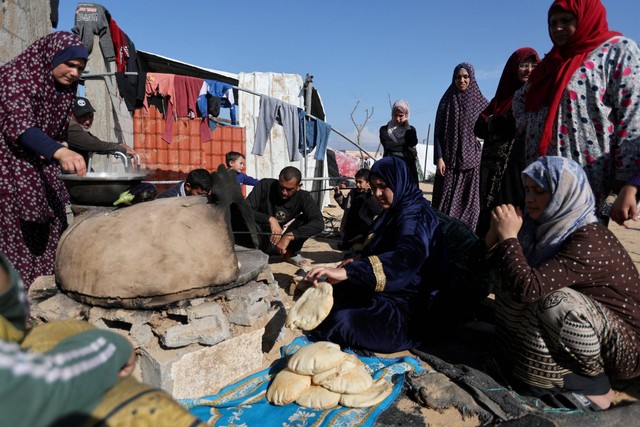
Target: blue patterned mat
(244, 403)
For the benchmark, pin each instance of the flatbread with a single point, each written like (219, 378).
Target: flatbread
(317, 397)
(315, 358)
(372, 396)
(311, 308)
(350, 377)
(286, 387)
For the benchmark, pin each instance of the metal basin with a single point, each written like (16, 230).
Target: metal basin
(99, 189)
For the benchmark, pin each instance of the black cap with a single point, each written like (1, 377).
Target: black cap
(82, 106)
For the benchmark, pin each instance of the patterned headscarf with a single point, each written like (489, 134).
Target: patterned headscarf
(29, 95)
(572, 206)
(551, 76)
(396, 132)
(456, 116)
(509, 82)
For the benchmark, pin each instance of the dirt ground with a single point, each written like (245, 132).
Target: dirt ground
(323, 249)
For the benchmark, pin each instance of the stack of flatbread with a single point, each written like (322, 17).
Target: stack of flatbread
(321, 376)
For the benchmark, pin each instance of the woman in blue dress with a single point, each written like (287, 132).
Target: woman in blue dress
(382, 300)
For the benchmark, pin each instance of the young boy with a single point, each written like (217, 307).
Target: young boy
(198, 183)
(360, 209)
(236, 162)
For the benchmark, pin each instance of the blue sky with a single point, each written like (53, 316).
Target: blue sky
(357, 50)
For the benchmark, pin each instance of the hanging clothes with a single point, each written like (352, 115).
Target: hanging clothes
(187, 90)
(159, 84)
(222, 90)
(272, 110)
(120, 47)
(224, 93)
(317, 135)
(132, 86)
(93, 19)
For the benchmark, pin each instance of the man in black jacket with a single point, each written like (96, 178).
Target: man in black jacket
(286, 214)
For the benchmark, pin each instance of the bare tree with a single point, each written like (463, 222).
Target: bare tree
(360, 127)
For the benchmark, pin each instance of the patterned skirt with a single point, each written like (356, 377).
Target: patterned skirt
(564, 333)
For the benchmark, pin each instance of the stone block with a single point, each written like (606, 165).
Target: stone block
(248, 303)
(43, 287)
(132, 317)
(201, 310)
(60, 307)
(195, 370)
(156, 363)
(206, 371)
(141, 334)
(266, 275)
(208, 331)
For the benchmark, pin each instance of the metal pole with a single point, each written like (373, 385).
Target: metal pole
(426, 153)
(308, 90)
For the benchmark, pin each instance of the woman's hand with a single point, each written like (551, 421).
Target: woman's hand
(327, 274)
(441, 167)
(625, 207)
(70, 161)
(506, 221)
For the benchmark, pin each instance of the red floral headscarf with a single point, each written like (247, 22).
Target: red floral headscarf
(552, 74)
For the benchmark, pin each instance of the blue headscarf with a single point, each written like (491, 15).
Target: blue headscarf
(407, 196)
(572, 206)
(72, 52)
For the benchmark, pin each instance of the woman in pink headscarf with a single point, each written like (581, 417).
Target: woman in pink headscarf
(36, 94)
(582, 100)
(399, 138)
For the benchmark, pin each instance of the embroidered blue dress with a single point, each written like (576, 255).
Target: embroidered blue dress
(384, 303)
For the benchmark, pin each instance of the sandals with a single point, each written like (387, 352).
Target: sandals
(298, 260)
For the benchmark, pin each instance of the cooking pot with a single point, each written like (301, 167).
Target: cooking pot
(99, 188)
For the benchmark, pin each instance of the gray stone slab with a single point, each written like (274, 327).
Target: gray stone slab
(42, 288)
(60, 307)
(206, 371)
(248, 303)
(207, 331)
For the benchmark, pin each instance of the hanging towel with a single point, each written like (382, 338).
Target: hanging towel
(317, 135)
(159, 84)
(186, 90)
(272, 110)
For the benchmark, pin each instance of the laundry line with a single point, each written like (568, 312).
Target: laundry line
(314, 118)
(108, 74)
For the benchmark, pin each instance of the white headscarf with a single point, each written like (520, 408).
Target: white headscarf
(572, 206)
(396, 132)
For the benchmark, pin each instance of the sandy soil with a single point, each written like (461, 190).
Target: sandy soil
(323, 250)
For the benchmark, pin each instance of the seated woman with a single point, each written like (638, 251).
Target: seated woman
(567, 309)
(381, 300)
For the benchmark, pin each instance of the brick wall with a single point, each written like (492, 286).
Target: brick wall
(172, 161)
